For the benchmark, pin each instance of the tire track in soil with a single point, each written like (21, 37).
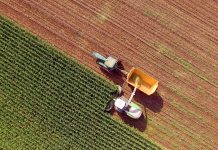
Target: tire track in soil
(179, 46)
(206, 8)
(164, 6)
(44, 30)
(186, 20)
(193, 32)
(170, 12)
(196, 12)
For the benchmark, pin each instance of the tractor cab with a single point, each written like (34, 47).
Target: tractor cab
(109, 64)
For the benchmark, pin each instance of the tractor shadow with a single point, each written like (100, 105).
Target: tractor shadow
(115, 76)
(153, 102)
(139, 124)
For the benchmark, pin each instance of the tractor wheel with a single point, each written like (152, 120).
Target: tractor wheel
(119, 89)
(109, 106)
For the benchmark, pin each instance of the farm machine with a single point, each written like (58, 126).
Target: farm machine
(135, 77)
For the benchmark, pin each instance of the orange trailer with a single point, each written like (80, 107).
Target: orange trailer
(146, 83)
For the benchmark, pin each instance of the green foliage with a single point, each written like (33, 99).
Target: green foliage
(49, 101)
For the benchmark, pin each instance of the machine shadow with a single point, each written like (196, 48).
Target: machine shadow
(153, 102)
(139, 124)
(115, 76)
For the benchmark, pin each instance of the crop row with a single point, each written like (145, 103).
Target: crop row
(41, 50)
(53, 99)
(48, 97)
(49, 56)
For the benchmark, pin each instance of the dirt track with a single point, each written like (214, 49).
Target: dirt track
(174, 41)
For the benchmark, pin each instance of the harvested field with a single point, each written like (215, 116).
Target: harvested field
(50, 101)
(174, 41)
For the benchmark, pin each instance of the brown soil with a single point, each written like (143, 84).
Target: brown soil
(174, 41)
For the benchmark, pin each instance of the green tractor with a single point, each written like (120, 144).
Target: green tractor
(109, 64)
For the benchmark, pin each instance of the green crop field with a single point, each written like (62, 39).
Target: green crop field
(49, 101)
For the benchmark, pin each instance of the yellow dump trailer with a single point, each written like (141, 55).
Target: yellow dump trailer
(146, 83)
